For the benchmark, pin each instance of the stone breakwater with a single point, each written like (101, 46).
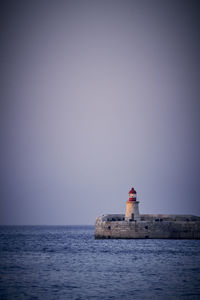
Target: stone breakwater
(150, 226)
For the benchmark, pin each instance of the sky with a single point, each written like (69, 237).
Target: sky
(97, 97)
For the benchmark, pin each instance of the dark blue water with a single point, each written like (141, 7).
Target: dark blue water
(65, 262)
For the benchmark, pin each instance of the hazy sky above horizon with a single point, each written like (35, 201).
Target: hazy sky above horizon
(98, 96)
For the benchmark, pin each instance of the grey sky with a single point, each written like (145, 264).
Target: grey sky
(98, 96)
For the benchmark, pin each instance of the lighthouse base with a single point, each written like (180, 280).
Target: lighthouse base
(132, 211)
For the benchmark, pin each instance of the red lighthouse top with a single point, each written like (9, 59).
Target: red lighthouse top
(132, 191)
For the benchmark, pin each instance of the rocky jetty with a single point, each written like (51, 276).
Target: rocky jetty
(150, 226)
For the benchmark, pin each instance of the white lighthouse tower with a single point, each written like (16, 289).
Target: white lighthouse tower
(132, 207)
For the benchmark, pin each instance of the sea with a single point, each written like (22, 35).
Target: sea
(66, 262)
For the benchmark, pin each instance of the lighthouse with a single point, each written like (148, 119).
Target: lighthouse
(132, 207)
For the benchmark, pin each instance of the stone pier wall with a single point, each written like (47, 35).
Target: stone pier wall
(150, 226)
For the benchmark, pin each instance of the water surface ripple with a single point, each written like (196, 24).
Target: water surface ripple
(65, 262)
